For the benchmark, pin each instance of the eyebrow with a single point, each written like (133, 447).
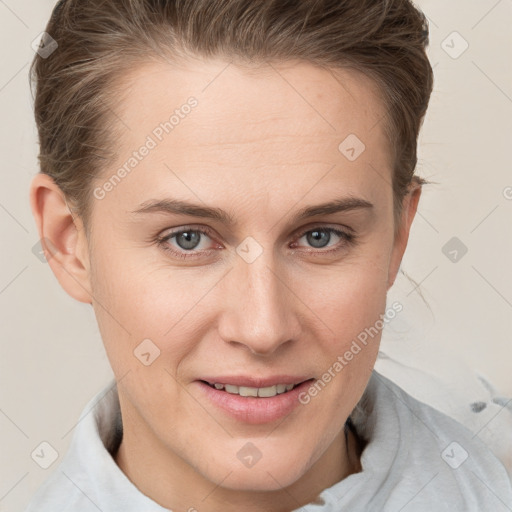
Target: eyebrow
(178, 207)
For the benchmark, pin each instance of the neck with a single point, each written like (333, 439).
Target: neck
(168, 480)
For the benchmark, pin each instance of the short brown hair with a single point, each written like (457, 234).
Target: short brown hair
(76, 87)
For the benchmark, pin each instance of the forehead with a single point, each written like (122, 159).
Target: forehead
(281, 121)
(300, 98)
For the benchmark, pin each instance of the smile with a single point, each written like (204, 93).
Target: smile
(253, 400)
(266, 392)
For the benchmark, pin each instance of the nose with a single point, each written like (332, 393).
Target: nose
(261, 308)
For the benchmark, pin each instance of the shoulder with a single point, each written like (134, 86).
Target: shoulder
(84, 475)
(59, 493)
(425, 457)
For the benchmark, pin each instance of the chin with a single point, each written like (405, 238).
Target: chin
(262, 480)
(273, 474)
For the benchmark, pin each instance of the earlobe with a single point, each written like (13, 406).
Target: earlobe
(62, 237)
(409, 208)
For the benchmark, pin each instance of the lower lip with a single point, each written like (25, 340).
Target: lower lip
(254, 410)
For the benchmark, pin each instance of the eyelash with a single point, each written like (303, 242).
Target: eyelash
(348, 240)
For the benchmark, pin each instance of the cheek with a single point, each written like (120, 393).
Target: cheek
(354, 315)
(136, 302)
(353, 311)
(350, 304)
(348, 297)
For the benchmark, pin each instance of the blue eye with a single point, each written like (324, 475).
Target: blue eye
(318, 236)
(188, 240)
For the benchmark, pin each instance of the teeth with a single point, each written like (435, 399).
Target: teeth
(231, 389)
(244, 391)
(267, 392)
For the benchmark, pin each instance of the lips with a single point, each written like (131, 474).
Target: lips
(261, 392)
(255, 387)
(252, 400)
(255, 382)
(266, 392)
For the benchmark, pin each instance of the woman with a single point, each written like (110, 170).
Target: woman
(193, 153)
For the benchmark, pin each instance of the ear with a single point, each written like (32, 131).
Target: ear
(409, 208)
(62, 237)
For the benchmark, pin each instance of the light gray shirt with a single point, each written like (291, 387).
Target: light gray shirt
(416, 459)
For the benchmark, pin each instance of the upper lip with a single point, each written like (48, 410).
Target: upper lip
(255, 382)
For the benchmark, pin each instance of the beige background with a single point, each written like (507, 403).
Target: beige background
(52, 359)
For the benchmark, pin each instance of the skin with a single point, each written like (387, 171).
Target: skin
(261, 151)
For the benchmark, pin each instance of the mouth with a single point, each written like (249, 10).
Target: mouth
(253, 401)
(248, 391)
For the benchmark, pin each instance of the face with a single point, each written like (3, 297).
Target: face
(252, 289)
